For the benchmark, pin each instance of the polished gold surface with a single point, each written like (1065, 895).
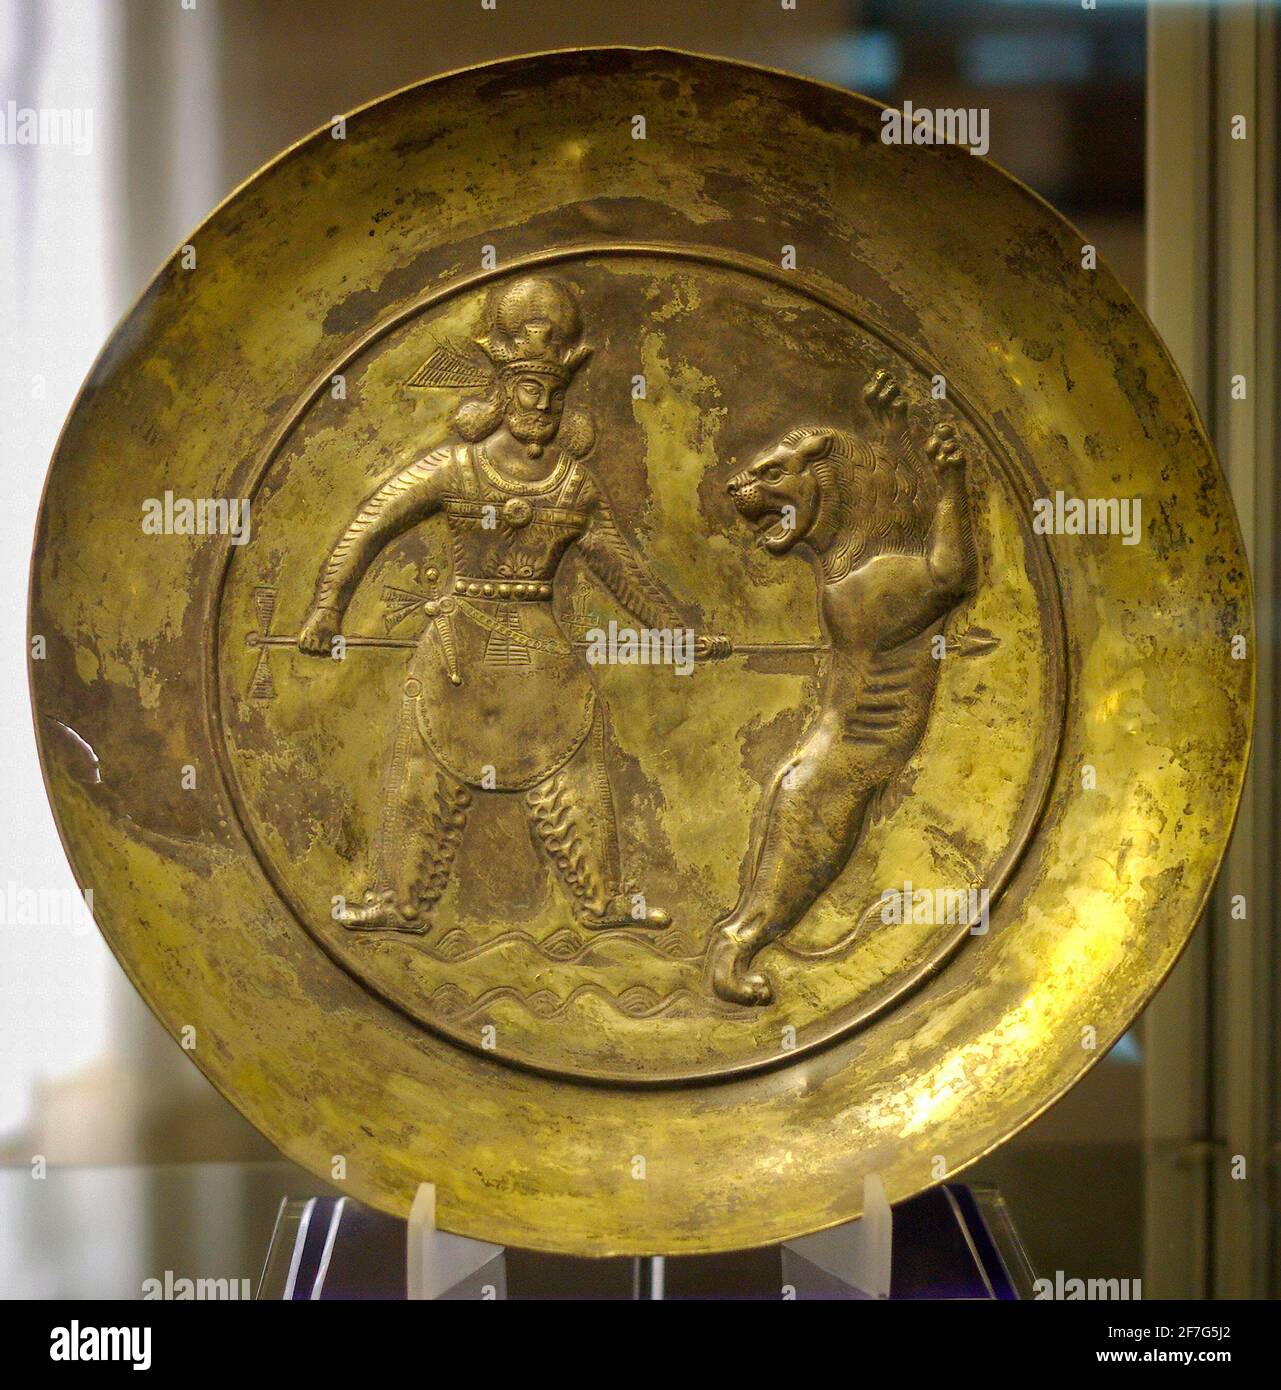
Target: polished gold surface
(641, 762)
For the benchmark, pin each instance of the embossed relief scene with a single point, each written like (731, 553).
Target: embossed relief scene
(627, 868)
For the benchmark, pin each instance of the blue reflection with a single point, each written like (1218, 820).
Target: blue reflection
(867, 61)
(1005, 57)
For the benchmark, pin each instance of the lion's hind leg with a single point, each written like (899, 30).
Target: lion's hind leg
(815, 811)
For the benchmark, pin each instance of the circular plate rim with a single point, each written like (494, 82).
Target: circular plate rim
(710, 1238)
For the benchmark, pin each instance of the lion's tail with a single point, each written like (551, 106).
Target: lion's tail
(872, 917)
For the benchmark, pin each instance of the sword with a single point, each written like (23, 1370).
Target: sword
(256, 639)
(262, 688)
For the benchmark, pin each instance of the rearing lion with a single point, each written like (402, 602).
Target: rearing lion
(893, 550)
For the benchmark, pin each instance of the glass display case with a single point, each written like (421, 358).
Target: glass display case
(1152, 128)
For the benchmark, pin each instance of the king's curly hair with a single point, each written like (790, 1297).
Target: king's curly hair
(477, 418)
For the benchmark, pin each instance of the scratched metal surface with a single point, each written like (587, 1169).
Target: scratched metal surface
(513, 1052)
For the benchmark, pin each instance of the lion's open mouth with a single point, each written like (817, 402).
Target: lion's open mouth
(772, 529)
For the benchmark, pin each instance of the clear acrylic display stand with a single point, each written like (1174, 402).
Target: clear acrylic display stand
(952, 1241)
(444, 1266)
(851, 1261)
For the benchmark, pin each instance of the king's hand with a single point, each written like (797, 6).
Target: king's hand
(712, 648)
(322, 625)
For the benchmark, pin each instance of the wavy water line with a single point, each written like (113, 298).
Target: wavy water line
(551, 1007)
(539, 948)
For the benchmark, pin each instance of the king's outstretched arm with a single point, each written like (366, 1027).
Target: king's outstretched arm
(618, 568)
(401, 502)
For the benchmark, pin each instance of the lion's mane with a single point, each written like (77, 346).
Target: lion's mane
(873, 499)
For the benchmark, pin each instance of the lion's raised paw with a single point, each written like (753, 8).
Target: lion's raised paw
(885, 399)
(944, 448)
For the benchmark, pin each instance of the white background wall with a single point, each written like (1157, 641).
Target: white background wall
(55, 309)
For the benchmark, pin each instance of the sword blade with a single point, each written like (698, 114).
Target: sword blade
(408, 643)
(401, 643)
(753, 648)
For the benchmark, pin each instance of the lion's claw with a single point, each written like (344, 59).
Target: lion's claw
(885, 399)
(943, 448)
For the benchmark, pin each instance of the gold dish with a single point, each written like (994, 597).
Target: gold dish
(595, 697)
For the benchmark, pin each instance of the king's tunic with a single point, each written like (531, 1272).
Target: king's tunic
(501, 697)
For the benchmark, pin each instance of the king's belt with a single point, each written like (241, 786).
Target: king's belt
(514, 511)
(520, 590)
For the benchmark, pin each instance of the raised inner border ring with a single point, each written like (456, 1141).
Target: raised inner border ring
(747, 265)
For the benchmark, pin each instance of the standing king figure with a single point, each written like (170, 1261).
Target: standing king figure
(496, 699)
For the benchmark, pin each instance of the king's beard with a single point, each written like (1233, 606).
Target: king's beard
(533, 428)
